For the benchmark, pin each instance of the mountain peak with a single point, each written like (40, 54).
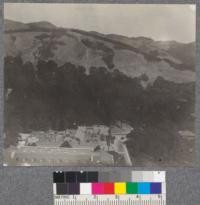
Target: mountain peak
(42, 24)
(11, 25)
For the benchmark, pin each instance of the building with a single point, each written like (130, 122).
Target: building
(120, 131)
(46, 147)
(50, 156)
(24, 136)
(80, 133)
(186, 134)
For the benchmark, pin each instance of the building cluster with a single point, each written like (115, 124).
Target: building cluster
(84, 145)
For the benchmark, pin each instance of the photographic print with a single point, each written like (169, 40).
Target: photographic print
(99, 84)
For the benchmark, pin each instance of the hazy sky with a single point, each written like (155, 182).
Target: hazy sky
(160, 22)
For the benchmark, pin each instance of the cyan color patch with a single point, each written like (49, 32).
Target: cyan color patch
(143, 188)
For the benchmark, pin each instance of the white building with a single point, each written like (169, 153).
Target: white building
(49, 156)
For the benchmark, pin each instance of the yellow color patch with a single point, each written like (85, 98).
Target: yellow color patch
(120, 188)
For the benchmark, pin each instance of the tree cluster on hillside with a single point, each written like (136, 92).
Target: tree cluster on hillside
(52, 97)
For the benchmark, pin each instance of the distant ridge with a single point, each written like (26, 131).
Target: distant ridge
(11, 25)
(133, 56)
(42, 24)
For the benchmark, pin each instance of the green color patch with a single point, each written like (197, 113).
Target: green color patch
(131, 188)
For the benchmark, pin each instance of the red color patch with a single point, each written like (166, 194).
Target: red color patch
(109, 188)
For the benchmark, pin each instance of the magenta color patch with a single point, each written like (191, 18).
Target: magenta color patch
(97, 188)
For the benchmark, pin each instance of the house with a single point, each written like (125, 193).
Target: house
(24, 136)
(80, 133)
(32, 140)
(120, 131)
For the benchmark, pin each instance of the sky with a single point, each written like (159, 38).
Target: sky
(157, 21)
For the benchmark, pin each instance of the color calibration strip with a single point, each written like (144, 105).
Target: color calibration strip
(96, 188)
(108, 188)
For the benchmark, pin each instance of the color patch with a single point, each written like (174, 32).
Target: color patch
(97, 188)
(159, 176)
(85, 188)
(61, 189)
(71, 177)
(73, 188)
(136, 176)
(156, 188)
(131, 188)
(58, 177)
(109, 188)
(92, 177)
(144, 188)
(120, 188)
(82, 177)
(147, 176)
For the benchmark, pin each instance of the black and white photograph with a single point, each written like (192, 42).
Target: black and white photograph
(99, 84)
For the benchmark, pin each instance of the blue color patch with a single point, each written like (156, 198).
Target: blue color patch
(156, 188)
(143, 188)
